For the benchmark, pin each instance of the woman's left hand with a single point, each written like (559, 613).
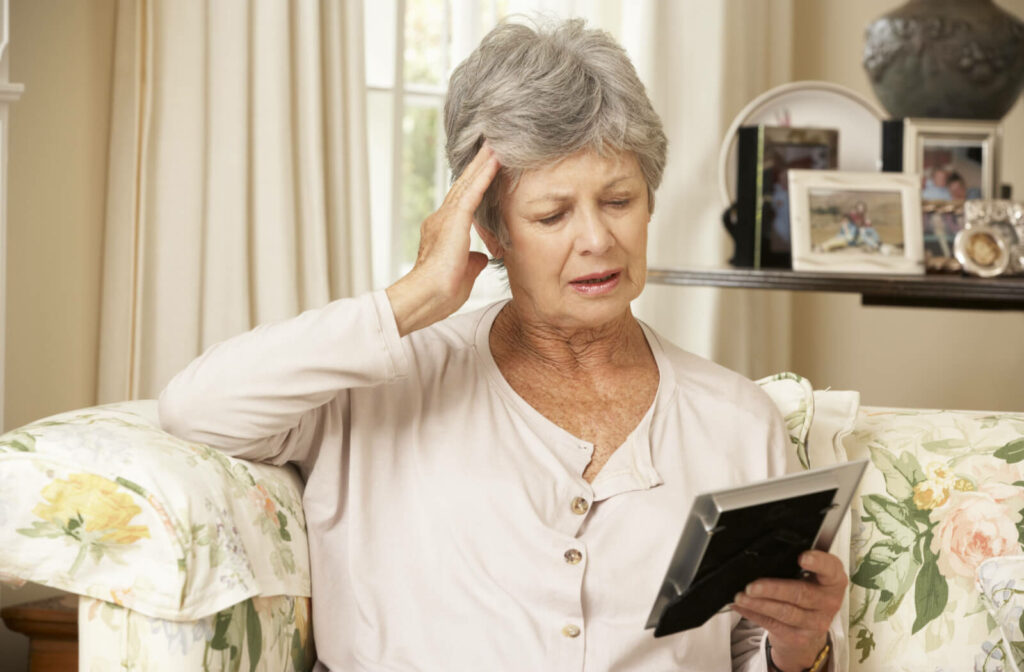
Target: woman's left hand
(796, 613)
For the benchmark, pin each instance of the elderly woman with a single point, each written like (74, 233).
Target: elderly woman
(504, 489)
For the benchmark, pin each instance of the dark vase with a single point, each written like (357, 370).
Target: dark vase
(956, 59)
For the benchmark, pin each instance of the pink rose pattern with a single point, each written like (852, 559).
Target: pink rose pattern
(974, 526)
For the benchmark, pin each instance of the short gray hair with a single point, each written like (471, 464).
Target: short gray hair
(538, 95)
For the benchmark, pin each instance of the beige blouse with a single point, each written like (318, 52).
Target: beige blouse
(450, 527)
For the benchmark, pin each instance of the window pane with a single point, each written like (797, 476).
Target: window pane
(379, 42)
(425, 32)
(491, 12)
(420, 135)
(379, 109)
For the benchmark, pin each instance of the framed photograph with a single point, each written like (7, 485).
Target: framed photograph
(957, 159)
(941, 222)
(992, 241)
(848, 222)
(765, 155)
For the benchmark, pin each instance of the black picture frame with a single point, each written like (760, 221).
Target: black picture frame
(734, 536)
(759, 224)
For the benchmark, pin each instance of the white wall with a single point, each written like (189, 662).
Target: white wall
(901, 356)
(61, 50)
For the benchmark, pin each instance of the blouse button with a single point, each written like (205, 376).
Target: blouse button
(580, 506)
(571, 631)
(572, 556)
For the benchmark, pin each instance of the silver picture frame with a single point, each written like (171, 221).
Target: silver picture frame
(992, 241)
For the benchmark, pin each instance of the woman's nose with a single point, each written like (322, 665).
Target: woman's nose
(594, 235)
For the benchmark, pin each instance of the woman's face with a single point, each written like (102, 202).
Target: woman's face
(577, 232)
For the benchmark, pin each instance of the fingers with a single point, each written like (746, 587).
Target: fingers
(468, 190)
(796, 614)
(773, 614)
(781, 631)
(829, 579)
(802, 604)
(828, 569)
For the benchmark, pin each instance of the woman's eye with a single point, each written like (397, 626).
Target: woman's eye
(619, 203)
(551, 219)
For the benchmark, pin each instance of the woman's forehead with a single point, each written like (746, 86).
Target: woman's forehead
(584, 169)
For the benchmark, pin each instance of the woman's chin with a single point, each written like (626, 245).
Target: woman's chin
(589, 314)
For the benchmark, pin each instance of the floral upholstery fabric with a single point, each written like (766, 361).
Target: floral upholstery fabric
(101, 502)
(261, 634)
(1001, 584)
(944, 493)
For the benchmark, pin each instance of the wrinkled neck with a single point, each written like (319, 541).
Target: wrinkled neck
(620, 342)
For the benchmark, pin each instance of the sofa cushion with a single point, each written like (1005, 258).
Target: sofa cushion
(102, 503)
(794, 397)
(835, 412)
(943, 492)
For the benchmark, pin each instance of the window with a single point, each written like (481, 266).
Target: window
(405, 99)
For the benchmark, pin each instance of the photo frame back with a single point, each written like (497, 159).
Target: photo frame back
(766, 153)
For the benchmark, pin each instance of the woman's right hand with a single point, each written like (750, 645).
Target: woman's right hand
(445, 269)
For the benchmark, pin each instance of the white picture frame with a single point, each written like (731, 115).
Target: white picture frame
(851, 222)
(921, 136)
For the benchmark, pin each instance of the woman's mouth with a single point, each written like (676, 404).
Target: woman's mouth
(596, 283)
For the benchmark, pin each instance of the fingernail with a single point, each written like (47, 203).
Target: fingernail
(753, 589)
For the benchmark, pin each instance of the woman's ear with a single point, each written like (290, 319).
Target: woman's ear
(490, 240)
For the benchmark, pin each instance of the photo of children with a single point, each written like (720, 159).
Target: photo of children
(856, 222)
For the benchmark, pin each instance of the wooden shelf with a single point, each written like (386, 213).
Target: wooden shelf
(931, 291)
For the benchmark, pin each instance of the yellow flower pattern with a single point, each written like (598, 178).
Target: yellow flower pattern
(96, 502)
(930, 495)
(89, 510)
(934, 491)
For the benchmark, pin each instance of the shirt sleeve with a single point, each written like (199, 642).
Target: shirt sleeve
(263, 395)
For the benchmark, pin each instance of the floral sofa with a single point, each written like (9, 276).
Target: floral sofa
(189, 560)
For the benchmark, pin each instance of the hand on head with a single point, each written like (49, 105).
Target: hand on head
(796, 614)
(445, 269)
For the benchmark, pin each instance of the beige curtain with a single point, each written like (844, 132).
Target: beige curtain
(702, 62)
(237, 190)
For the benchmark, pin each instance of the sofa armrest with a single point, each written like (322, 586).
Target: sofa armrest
(101, 502)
